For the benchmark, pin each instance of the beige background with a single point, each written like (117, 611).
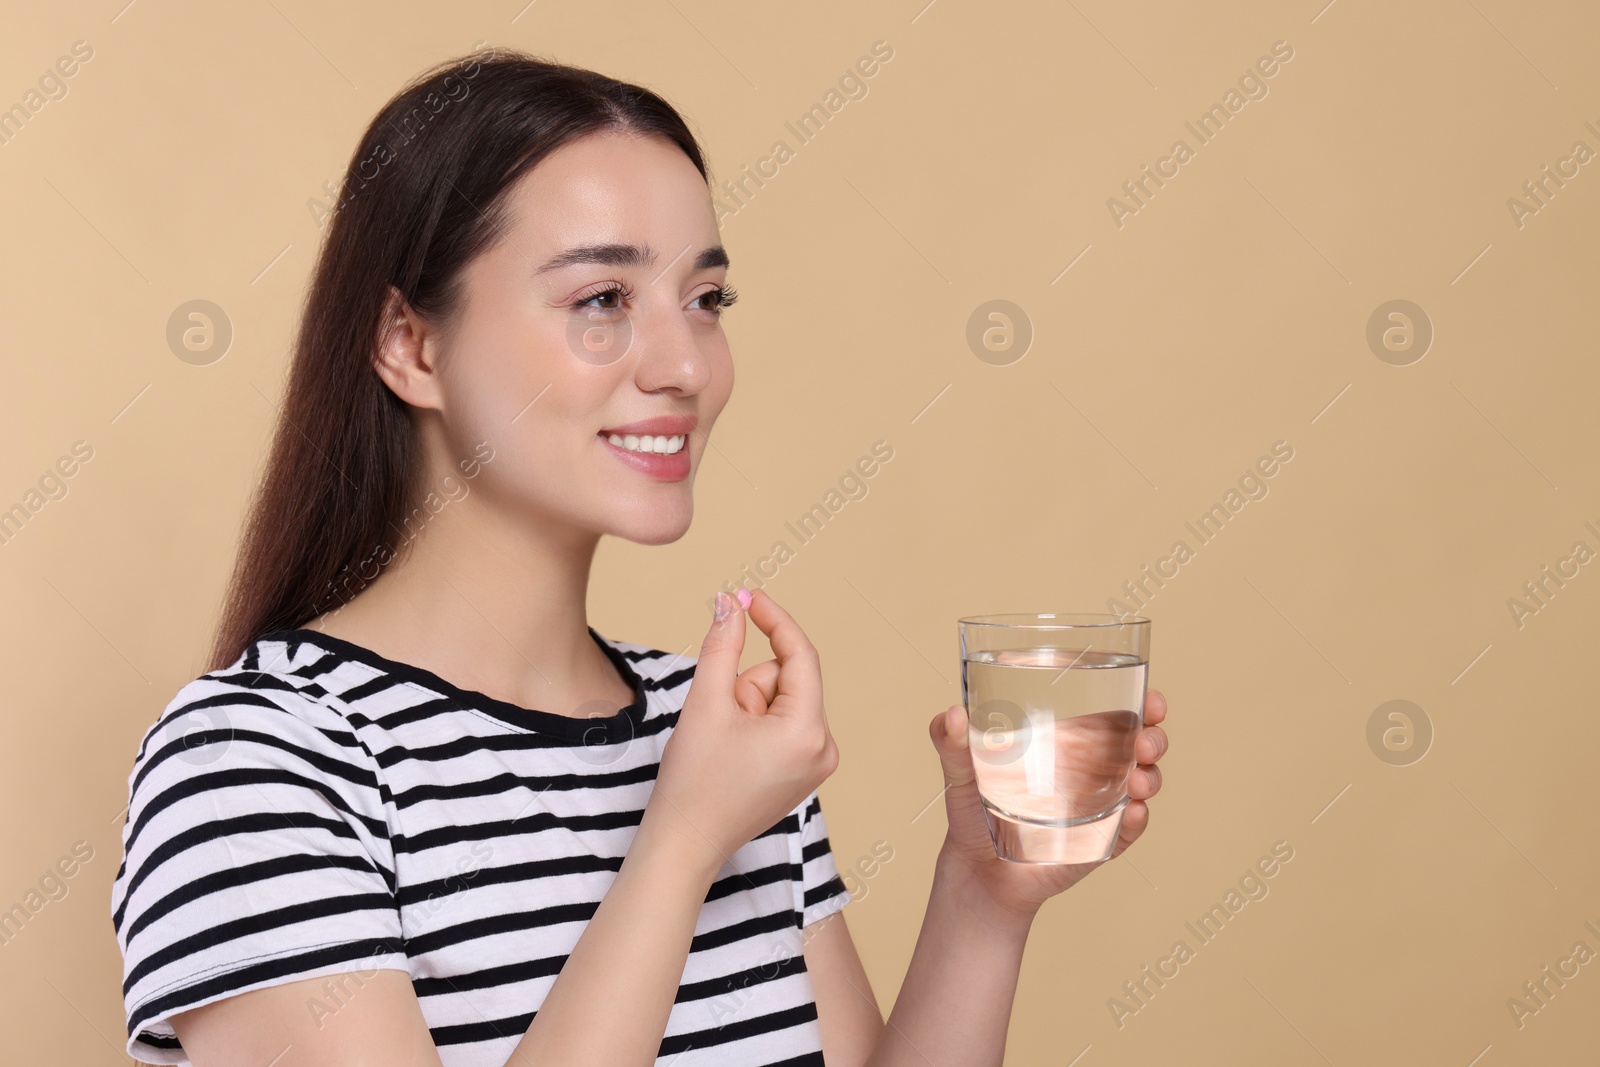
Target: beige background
(1229, 313)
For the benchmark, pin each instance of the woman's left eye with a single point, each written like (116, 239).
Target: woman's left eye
(725, 296)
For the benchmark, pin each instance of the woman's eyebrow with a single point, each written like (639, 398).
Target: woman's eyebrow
(715, 256)
(627, 255)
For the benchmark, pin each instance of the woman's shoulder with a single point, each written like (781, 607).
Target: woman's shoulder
(256, 843)
(243, 749)
(273, 694)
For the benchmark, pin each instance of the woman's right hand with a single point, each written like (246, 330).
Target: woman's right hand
(748, 747)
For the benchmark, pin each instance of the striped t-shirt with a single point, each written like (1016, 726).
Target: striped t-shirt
(316, 809)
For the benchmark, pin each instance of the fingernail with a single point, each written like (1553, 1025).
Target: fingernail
(724, 604)
(744, 598)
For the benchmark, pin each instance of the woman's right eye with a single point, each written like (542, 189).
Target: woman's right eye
(611, 291)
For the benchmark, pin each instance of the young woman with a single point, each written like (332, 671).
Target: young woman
(419, 812)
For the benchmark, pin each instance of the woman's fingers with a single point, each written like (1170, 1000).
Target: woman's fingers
(963, 809)
(758, 683)
(949, 732)
(1144, 781)
(719, 653)
(1134, 820)
(1155, 707)
(800, 671)
(783, 633)
(1150, 745)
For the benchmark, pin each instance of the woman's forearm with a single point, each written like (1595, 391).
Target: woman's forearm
(955, 1003)
(631, 952)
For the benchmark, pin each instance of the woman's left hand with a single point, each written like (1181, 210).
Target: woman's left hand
(1020, 888)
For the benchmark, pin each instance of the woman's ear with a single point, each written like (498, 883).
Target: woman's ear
(405, 353)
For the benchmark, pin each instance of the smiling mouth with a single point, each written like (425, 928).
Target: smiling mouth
(648, 444)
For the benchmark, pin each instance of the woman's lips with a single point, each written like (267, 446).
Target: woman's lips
(662, 425)
(673, 468)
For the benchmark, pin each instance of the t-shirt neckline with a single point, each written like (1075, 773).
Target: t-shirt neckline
(592, 730)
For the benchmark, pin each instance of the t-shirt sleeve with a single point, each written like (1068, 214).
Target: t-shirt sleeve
(819, 891)
(255, 852)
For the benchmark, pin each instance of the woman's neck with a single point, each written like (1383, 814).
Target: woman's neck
(492, 605)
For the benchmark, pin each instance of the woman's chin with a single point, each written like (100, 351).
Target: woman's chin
(660, 527)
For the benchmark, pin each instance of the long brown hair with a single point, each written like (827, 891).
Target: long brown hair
(424, 193)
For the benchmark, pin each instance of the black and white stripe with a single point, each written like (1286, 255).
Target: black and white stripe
(316, 810)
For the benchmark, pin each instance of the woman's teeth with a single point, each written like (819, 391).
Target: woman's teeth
(664, 446)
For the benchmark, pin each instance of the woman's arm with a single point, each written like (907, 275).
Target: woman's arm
(954, 1006)
(955, 1002)
(631, 952)
(847, 1010)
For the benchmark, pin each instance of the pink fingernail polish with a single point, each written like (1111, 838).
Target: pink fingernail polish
(744, 598)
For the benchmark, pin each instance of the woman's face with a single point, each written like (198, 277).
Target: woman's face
(593, 320)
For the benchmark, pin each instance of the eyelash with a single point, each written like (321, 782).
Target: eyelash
(726, 295)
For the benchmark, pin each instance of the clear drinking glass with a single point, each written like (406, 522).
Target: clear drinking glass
(1054, 702)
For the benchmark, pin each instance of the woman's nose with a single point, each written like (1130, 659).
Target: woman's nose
(673, 353)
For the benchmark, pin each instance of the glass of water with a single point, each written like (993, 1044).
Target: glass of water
(1054, 703)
